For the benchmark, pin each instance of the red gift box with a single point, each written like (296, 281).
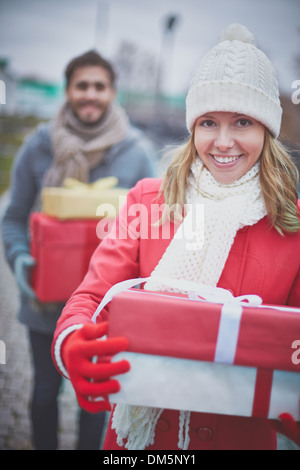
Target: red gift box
(62, 250)
(209, 357)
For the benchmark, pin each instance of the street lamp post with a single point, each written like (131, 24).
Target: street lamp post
(165, 56)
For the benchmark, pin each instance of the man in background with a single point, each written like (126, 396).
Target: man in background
(89, 138)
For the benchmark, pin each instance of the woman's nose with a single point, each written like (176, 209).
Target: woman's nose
(224, 139)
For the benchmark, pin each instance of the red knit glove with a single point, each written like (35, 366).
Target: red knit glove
(287, 426)
(93, 380)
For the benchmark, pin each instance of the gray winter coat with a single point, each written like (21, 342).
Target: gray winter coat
(130, 161)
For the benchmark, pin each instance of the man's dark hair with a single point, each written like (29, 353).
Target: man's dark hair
(89, 58)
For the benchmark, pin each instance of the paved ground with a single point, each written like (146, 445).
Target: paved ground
(16, 378)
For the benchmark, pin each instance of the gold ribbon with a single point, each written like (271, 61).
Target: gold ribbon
(99, 185)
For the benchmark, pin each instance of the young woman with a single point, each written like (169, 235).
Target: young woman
(234, 166)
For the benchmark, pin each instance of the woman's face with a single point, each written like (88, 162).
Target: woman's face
(228, 144)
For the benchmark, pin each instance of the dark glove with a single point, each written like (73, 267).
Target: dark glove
(92, 380)
(287, 426)
(23, 263)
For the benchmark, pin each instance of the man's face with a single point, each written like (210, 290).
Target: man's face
(90, 93)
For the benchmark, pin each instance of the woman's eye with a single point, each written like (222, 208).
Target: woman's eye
(244, 122)
(207, 123)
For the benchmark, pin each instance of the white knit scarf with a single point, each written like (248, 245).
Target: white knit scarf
(192, 256)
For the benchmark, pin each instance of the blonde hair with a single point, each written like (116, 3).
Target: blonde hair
(278, 177)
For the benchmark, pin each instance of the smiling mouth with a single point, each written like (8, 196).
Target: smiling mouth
(223, 159)
(90, 104)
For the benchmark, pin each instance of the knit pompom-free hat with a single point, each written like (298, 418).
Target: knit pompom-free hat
(235, 76)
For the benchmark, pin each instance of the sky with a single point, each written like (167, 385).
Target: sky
(41, 36)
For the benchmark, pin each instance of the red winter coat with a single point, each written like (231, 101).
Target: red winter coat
(260, 262)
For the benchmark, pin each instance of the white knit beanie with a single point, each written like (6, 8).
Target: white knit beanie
(235, 76)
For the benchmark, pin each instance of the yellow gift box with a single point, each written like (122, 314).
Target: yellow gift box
(85, 201)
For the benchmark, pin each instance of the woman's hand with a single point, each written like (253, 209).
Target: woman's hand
(93, 380)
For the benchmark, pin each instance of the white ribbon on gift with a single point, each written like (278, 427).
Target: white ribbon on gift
(231, 312)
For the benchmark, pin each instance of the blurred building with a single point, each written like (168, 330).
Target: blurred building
(8, 105)
(37, 97)
(28, 95)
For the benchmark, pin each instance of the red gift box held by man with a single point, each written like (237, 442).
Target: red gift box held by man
(62, 250)
(229, 219)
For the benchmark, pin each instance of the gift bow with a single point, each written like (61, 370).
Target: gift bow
(100, 184)
(195, 290)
